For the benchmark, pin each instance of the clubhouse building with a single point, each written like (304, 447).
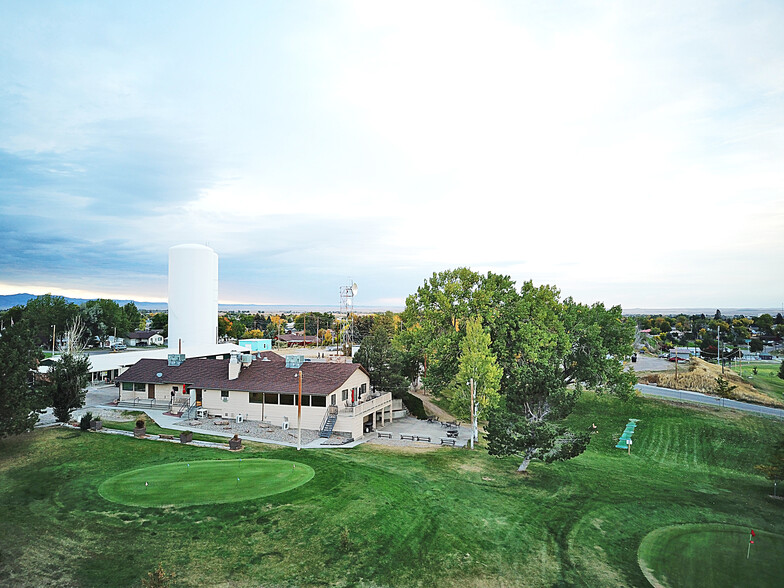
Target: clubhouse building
(261, 386)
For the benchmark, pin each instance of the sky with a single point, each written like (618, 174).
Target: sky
(626, 152)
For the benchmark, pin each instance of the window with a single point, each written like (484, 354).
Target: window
(225, 395)
(318, 401)
(344, 395)
(256, 397)
(139, 388)
(305, 400)
(127, 386)
(333, 400)
(287, 399)
(362, 389)
(270, 398)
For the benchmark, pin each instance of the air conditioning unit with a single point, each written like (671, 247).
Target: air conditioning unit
(239, 418)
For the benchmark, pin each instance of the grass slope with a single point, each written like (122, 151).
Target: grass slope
(373, 516)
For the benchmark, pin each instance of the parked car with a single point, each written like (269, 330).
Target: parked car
(119, 347)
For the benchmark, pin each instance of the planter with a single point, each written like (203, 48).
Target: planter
(96, 425)
(186, 437)
(235, 443)
(139, 431)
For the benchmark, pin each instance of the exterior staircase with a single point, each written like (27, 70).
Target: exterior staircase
(328, 423)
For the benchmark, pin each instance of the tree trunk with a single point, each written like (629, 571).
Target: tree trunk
(524, 466)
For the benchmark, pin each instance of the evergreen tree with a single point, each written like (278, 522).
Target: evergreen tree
(20, 398)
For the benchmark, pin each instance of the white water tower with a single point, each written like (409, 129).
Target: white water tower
(193, 297)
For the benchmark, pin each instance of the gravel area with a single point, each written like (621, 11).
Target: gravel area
(255, 429)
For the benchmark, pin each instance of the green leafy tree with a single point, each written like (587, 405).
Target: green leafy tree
(133, 317)
(477, 363)
(383, 361)
(224, 326)
(755, 345)
(20, 399)
(238, 329)
(529, 425)
(67, 384)
(103, 317)
(42, 313)
(765, 323)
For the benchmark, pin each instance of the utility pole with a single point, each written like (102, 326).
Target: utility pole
(718, 347)
(54, 328)
(473, 413)
(299, 413)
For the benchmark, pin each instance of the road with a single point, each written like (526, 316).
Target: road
(686, 396)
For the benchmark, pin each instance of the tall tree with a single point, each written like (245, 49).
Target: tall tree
(382, 360)
(477, 363)
(48, 315)
(103, 317)
(68, 376)
(133, 317)
(529, 423)
(20, 398)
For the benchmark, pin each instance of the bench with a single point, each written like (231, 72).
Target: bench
(423, 438)
(452, 433)
(387, 435)
(409, 437)
(166, 436)
(448, 442)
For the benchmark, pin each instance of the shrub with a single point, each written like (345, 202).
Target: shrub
(414, 406)
(158, 578)
(140, 424)
(84, 422)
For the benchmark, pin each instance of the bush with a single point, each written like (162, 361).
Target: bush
(414, 406)
(140, 424)
(84, 422)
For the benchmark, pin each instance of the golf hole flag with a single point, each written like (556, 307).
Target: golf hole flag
(751, 537)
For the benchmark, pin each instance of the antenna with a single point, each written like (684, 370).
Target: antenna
(347, 294)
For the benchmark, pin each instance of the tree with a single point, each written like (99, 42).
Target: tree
(103, 317)
(781, 370)
(723, 387)
(67, 384)
(254, 334)
(382, 361)
(20, 398)
(755, 345)
(765, 323)
(45, 312)
(133, 317)
(527, 424)
(477, 363)
(224, 326)
(67, 378)
(238, 329)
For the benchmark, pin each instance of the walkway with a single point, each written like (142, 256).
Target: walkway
(687, 396)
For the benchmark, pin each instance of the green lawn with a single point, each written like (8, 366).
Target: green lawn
(205, 482)
(766, 380)
(374, 516)
(713, 556)
(154, 429)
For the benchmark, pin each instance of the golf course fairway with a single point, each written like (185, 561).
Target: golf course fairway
(205, 482)
(712, 555)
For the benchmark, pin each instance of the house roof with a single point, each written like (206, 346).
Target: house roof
(143, 334)
(260, 376)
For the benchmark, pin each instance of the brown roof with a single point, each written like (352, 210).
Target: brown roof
(144, 334)
(259, 376)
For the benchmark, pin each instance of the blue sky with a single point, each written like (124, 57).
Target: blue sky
(625, 152)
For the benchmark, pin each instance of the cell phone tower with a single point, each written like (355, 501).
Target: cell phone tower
(347, 294)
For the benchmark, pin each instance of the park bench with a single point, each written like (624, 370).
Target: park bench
(448, 442)
(452, 433)
(410, 437)
(423, 438)
(387, 435)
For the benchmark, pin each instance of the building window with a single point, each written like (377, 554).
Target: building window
(362, 389)
(333, 400)
(270, 398)
(139, 387)
(127, 386)
(287, 399)
(225, 394)
(344, 395)
(305, 400)
(318, 401)
(256, 397)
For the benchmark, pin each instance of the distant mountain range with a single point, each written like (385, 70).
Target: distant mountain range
(9, 300)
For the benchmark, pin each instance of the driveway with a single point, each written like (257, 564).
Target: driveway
(97, 395)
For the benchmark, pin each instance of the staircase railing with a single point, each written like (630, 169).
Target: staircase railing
(330, 417)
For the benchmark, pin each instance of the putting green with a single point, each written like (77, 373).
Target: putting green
(711, 555)
(205, 482)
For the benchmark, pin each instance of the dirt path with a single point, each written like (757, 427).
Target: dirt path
(431, 408)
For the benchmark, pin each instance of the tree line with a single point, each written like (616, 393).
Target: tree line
(529, 352)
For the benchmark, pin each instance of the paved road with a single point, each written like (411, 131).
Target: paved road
(687, 396)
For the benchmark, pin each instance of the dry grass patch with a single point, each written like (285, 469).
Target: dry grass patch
(701, 376)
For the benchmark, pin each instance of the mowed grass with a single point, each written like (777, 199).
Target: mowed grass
(376, 516)
(766, 380)
(713, 556)
(205, 482)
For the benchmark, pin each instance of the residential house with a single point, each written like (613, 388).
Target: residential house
(144, 338)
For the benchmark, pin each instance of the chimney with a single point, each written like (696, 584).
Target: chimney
(234, 366)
